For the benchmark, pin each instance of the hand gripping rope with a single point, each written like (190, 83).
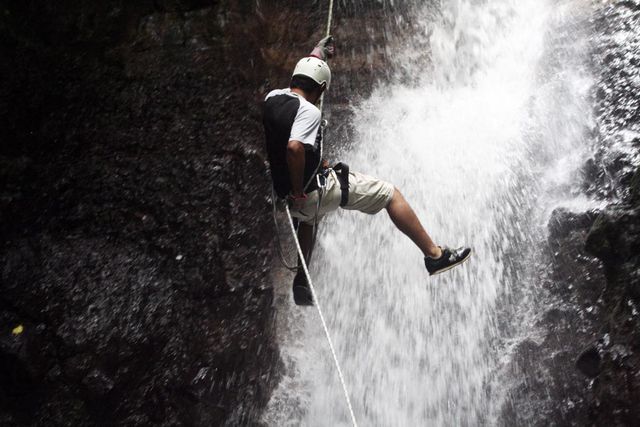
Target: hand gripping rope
(306, 270)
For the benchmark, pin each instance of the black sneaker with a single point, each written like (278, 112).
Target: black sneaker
(301, 291)
(449, 259)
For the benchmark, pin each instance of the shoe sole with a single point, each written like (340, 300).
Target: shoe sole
(452, 265)
(301, 296)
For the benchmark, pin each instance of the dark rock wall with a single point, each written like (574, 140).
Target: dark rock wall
(133, 210)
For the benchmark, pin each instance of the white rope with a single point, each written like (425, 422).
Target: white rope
(324, 324)
(327, 33)
(306, 270)
(329, 18)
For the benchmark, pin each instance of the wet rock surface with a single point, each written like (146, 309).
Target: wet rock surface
(134, 214)
(586, 367)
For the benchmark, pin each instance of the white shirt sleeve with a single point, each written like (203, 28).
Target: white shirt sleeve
(306, 124)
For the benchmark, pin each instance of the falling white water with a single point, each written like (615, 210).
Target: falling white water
(483, 144)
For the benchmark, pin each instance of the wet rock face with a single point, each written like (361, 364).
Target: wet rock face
(614, 358)
(551, 386)
(587, 367)
(614, 237)
(617, 58)
(135, 225)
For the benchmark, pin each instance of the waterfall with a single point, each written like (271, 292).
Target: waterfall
(484, 142)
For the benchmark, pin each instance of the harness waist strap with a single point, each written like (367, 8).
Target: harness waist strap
(342, 172)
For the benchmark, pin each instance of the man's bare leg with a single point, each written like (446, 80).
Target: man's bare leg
(406, 220)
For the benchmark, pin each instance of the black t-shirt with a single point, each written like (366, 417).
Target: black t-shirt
(288, 116)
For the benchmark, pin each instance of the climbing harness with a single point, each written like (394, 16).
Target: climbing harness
(342, 172)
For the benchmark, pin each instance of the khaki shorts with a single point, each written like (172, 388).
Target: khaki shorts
(366, 194)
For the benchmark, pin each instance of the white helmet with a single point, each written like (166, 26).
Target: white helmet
(314, 68)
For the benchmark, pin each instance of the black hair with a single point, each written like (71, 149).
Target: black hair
(307, 84)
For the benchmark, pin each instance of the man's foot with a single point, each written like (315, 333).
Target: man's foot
(449, 259)
(301, 291)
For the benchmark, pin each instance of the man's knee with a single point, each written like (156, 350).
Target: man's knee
(395, 195)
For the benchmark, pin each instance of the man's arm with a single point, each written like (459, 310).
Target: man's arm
(295, 161)
(303, 134)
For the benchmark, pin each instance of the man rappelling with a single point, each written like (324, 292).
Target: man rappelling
(293, 130)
